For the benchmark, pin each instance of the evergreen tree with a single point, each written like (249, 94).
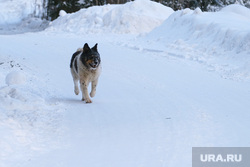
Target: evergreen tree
(54, 7)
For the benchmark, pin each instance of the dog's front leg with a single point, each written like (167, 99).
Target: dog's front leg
(93, 88)
(84, 89)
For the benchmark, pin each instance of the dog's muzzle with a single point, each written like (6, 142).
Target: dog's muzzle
(94, 64)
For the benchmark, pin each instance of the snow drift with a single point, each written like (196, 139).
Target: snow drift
(27, 119)
(14, 12)
(22, 16)
(219, 40)
(229, 28)
(134, 17)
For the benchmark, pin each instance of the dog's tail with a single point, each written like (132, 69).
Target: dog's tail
(79, 49)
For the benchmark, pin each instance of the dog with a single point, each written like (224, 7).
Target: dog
(85, 67)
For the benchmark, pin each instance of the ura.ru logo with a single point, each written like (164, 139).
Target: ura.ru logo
(220, 158)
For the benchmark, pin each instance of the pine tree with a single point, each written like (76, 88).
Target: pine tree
(54, 7)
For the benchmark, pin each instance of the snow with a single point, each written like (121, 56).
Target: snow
(62, 13)
(21, 15)
(161, 91)
(134, 17)
(15, 77)
(11, 13)
(237, 9)
(218, 39)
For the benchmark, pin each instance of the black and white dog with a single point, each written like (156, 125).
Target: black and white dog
(85, 66)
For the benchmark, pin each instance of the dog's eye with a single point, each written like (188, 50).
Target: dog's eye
(94, 57)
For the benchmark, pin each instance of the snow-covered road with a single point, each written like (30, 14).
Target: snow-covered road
(171, 80)
(149, 110)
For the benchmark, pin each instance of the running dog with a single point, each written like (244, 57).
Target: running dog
(85, 66)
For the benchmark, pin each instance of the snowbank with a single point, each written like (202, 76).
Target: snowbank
(21, 16)
(219, 40)
(135, 17)
(228, 29)
(27, 118)
(13, 12)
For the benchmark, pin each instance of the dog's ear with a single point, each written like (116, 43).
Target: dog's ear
(86, 48)
(95, 47)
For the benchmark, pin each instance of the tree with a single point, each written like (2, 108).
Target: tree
(54, 7)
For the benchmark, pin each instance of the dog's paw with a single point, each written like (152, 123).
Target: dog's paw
(88, 101)
(92, 93)
(76, 90)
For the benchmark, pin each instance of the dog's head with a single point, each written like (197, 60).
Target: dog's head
(90, 57)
